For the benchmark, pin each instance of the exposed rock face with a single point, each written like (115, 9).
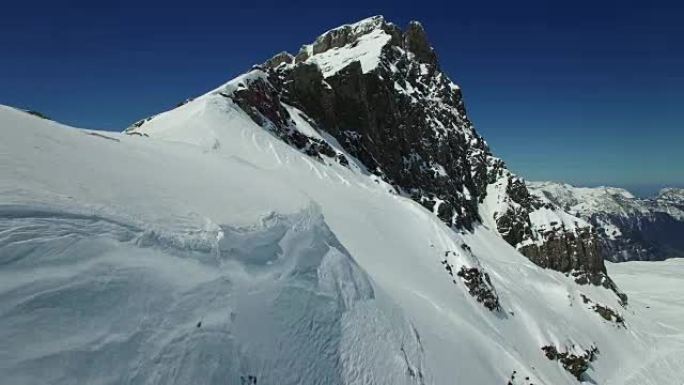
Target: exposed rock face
(559, 246)
(629, 228)
(404, 120)
(278, 59)
(380, 93)
(475, 279)
(262, 103)
(480, 286)
(415, 41)
(575, 363)
(567, 251)
(605, 312)
(543, 232)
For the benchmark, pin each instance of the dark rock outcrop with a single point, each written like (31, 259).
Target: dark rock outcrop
(605, 312)
(576, 364)
(475, 279)
(278, 59)
(568, 251)
(404, 120)
(263, 104)
(415, 41)
(38, 114)
(480, 287)
(571, 248)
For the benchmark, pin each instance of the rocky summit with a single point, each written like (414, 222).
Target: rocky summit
(375, 97)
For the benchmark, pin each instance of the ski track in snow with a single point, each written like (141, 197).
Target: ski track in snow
(165, 260)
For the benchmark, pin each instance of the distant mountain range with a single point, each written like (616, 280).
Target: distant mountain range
(629, 227)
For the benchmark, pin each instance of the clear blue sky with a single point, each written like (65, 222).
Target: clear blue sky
(588, 92)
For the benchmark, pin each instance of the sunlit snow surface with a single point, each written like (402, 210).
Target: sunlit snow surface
(656, 292)
(210, 252)
(366, 51)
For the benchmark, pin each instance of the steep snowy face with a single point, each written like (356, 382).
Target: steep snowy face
(629, 228)
(214, 251)
(372, 97)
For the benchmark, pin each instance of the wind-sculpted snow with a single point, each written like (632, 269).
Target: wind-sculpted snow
(277, 301)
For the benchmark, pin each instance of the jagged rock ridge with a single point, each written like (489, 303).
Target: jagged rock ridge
(376, 93)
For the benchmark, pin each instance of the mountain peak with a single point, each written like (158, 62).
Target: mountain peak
(347, 33)
(370, 94)
(363, 38)
(671, 193)
(362, 41)
(416, 41)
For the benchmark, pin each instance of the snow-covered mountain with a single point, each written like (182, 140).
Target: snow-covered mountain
(326, 218)
(629, 228)
(372, 97)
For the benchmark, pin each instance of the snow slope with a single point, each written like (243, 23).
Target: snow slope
(211, 252)
(656, 294)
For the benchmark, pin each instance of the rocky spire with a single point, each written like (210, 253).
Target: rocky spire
(413, 39)
(341, 36)
(278, 59)
(379, 92)
(416, 41)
